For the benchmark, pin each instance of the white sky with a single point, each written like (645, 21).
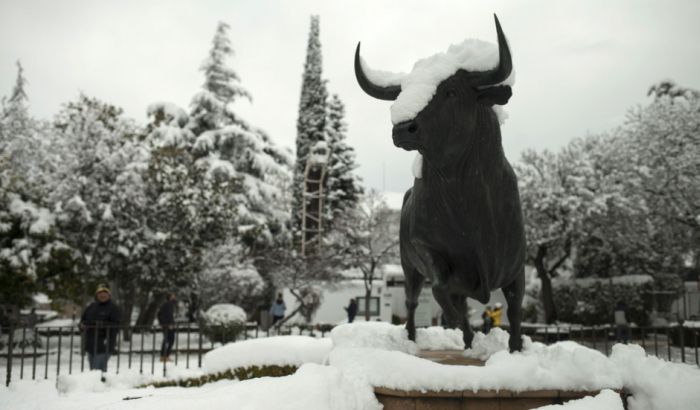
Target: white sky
(580, 64)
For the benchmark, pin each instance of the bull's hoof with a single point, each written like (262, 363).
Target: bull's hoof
(515, 343)
(411, 333)
(468, 339)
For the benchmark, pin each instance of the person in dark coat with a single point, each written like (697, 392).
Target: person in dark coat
(166, 318)
(100, 324)
(352, 310)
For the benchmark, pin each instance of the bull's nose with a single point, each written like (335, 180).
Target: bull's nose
(405, 128)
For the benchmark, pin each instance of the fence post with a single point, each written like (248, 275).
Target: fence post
(10, 342)
(695, 342)
(668, 342)
(21, 359)
(187, 359)
(46, 362)
(58, 360)
(34, 344)
(70, 355)
(153, 352)
(681, 329)
(199, 351)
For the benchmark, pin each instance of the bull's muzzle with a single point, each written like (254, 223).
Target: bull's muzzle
(405, 135)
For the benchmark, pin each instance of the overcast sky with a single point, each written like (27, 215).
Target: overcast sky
(580, 65)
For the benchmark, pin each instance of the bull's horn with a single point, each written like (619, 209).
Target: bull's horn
(389, 93)
(505, 64)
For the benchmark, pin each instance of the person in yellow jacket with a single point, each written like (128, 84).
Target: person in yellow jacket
(496, 314)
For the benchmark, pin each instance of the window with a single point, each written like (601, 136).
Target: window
(373, 306)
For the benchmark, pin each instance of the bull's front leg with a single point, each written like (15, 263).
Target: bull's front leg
(514, 293)
(413, 284)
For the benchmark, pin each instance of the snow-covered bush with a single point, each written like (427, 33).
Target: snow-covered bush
(223, 322)
(592, 301)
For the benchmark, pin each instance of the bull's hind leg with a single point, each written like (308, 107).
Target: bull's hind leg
(413, 285)
(514, 293)
(460, 302)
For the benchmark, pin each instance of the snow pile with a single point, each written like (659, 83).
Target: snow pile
(90, 382)
(378, 335)
(438, 338)
(655, 383)
(278, 350)
(419, 86)
(693, 324)
(312, 387)
(483, 346)
(542, 367)
(385, 336)
(605, 400)
(225, 313)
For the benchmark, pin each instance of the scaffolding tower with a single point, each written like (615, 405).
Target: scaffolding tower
(312, 204)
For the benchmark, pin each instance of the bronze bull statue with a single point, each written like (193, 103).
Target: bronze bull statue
(461, 222)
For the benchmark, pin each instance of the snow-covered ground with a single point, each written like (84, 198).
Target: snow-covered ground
(340, 372)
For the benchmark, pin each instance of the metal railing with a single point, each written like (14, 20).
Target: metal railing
(44, 352)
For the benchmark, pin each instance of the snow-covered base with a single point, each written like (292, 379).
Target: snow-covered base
(361, 356)
(278, 350)
(605, 400)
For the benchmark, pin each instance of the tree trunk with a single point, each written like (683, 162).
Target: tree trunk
(368, 295)
(148, 315)
(550, 311)
(128, 301)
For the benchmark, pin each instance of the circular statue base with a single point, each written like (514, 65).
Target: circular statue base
(479, 400)
(394, 399)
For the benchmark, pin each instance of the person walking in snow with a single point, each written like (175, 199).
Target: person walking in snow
(621, 324)
(486, 317)
(496, 314)
(100, 324)
(166, 318)
(278, 309)
(352, 310)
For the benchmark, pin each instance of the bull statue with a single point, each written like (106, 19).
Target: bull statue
(461, 222)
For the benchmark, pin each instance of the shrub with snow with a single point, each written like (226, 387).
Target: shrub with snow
(223, 322)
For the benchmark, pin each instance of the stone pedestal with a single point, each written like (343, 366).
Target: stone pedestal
(469, 400)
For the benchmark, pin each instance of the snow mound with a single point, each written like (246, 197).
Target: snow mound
(605, 400)
(225, 313)
(378, 335)
(419, 86)
(385, 336)
(483, 346)
(438, 338)
(278, 350)
(560, 366)
(655, 383)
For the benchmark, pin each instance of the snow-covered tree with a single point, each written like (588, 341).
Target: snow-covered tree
(229, 148)
(225, 279)
(370, 234)
(343, 187)
(211, 107)
(311, 123)
(557, 192)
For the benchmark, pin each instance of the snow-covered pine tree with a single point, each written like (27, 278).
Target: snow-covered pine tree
(230, 148)
(211, 107)
(311, 124)
(343, 187)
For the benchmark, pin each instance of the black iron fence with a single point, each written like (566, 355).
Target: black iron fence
(45, 352)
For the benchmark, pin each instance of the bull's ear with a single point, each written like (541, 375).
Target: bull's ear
(494, 95)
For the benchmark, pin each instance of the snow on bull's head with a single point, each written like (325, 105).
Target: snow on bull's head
(447, 99)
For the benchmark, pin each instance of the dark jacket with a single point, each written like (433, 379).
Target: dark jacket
(100, 321)
(166, 313)
(352, 311)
